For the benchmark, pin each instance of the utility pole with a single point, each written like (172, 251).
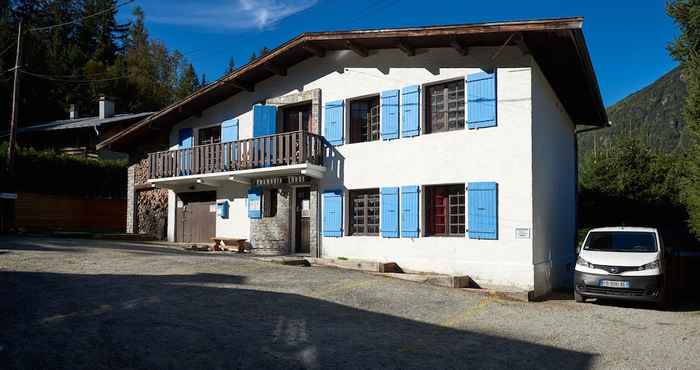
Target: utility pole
(8, 188)
(15, 110)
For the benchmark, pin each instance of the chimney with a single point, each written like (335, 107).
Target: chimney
(106, 107)
(73, 113)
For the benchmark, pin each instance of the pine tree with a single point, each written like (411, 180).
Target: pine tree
(101, 35)
(231, 66)
(152, 69)
(252, 57)
(188, 83)
(96, 47)
(686, 49)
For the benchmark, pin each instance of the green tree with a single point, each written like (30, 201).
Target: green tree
(151, 67)
(231, 66)
(686, 49)
(629, 183)
(188, 83)
(630, 169)
(75, 61)
(252, 57)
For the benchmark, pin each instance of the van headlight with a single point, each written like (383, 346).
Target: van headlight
(581, 262)
(649, 266)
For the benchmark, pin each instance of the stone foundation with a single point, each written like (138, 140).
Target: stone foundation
(270, 236)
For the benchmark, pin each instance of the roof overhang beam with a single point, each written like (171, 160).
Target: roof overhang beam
(357, 48)
(406, 48)
(315, 50)
(519, 41)
(275, 68)
(241, 85)
(459, 46)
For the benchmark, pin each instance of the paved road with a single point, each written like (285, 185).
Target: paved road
(85, 304)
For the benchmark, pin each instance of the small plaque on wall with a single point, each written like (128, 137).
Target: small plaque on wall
(522, 233)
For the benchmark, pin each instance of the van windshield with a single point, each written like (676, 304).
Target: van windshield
(621, 241)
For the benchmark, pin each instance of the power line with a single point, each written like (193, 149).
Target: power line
(78, 81)
(7, 71)
(8, 48)
(110, 9)
(74, 76)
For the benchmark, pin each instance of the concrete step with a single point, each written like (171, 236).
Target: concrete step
(448, 281)
(285, 260)
(355, 264)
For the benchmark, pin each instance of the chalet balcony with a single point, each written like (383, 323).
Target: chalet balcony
(290, 153)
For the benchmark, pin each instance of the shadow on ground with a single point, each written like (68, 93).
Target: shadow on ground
(207, 321)
(81, 245)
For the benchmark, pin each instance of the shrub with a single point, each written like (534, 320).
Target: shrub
(49, 172)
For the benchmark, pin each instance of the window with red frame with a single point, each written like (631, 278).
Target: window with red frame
(445, 210)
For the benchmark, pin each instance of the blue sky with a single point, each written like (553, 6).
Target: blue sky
(627, 39)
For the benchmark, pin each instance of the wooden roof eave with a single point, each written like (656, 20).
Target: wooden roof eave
(318, 42)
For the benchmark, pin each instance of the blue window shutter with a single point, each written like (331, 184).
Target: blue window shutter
(255, 203)
(409, 211)
(264, 123)
(229, 130)
(389, 123)
(389, 218)
(185, 141)
(483, 210)
(333, 213)
(333, 127)
(410, 111)
(264, 120)
(481, 100)
(185, 138)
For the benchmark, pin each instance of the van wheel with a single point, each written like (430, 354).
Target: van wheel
(664, 301)
(579, 298)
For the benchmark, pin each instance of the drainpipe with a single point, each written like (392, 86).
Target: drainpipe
(609, 124)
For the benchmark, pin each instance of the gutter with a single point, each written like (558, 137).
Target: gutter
(576, 133)
(553, 24)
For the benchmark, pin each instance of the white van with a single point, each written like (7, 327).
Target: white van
(621, 263)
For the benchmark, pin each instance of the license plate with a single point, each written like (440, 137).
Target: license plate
(614, 284)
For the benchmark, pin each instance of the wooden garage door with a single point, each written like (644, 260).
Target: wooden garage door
(195, 221)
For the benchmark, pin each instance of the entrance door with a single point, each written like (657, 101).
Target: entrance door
(195, 217)
(296, 118)
(302, 221)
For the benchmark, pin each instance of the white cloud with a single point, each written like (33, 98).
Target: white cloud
(226, 14)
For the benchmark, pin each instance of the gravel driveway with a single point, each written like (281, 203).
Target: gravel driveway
(88, 304)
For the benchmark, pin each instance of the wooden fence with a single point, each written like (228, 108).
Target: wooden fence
(44, 212)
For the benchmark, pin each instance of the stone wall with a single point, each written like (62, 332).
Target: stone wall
(314, 227)
(271, 235)
(147, 209)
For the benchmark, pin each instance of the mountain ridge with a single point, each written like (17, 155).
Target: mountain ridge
(653, 114)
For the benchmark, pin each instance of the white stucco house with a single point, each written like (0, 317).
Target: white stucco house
(446, 149)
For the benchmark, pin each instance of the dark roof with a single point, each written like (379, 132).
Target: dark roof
(557, 45)
(68, 124)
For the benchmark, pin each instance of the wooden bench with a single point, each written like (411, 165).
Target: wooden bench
(222, 244)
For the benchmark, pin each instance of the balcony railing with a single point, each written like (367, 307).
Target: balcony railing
(264, 151)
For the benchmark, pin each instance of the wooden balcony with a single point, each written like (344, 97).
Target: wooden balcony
(285, 149)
